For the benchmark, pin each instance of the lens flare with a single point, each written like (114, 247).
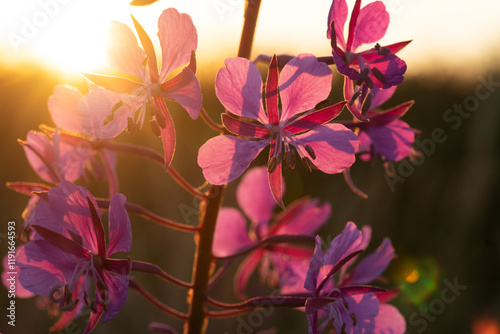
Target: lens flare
(417, 277)
(486, 325)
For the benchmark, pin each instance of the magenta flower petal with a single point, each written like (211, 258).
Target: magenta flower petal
(392, 67)
(303, 83)
(238, 86)
(120, 233)
(21, 292)
(373, 265)
(302, 217)
(167, 132)
(68, 204)
(43, 266)
(94, 319)
(245, 270)
(185, 89)
(243, 128)
(43, 157)
(124, 53)
(344, 69)
(365, 307)
(338, 14)
(95, 108)
(276, 184)
(315, 267)
(230, 233)
(178, 37)
(316, 118)
(380, 96)
(334, 146)
(389, 320)
(371, 24)
(117, 294)
(62, 107)
(348, 242)
(224, 158)
(393, 140)
(254, 196)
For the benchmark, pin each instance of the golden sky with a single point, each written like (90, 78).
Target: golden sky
(71, 34)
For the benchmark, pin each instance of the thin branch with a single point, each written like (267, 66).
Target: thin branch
(210, 122)
(140, 211)
(150, 154)
(150, 298)
(149, 268)
(227, 313)
(275, 239)
(292, 301)
(218, 274)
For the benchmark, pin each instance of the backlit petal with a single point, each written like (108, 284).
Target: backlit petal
(62, 108)
(231, 233)
(371, 24)
(120, 233)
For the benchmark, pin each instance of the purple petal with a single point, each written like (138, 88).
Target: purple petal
(94, 319)
(272, 92)
(238, 86)
(303, 83)
(124, 54)
(7, 281)
(393, 141)
(392, 67)
(371, 24)
(69, 206)
(63, 243)
(62, 108)
(42, 157)
(338, 14)
(120, 233)
(96, 106)
(184, 89)
(43, 266)
(344, 69)
(347, 242)
(380, 96)
(117, 294)
(254, 195)
(231, 233)
(389, 321)
(378, 119)
(292, 276)
(315, 265)
(373, 265)
(365, 307)
(225, 158)
(302, 217)
(178, 37)
(334, 146)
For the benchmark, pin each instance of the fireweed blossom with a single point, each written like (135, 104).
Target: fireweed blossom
(376, 67)
(385, 134)
(146, 93)
(347, 304)
(303, 217)
(296, 127)
(69, 244)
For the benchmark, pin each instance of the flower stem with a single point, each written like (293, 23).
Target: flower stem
(202, 267)
(140, 211)
(149, 268)
(149, 297)
(251, 14)
(209, 121)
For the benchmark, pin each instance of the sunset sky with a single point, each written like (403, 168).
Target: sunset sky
(71, 34)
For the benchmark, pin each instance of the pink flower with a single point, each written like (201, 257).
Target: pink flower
(385, 133)
(70, 244)
(302, 84)
(348, 304)
(303, 217)
(379, 66)
(68, 157)
(178, 40)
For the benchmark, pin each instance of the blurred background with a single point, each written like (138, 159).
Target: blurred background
(441, 212)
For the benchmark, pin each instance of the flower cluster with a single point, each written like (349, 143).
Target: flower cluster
(65, 256)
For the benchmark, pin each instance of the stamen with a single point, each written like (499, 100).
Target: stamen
(369, 82)
(117, 106)
(379, 75)
(155, 127)
(131, 126)
(366, 103)
(354, 319)
(56, 290)
(310, 150)
(272, 164)
(363, 75)
(70, 306)
(354, 97)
